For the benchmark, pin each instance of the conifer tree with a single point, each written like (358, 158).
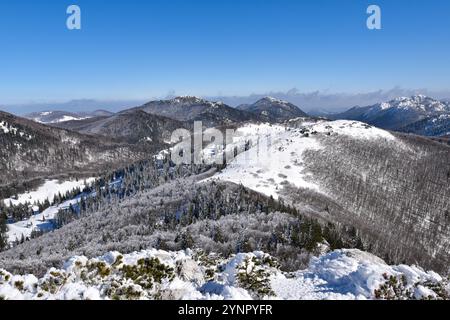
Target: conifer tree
(3, 230)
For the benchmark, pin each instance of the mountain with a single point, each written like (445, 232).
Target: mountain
(392, 188)
(397, 113)
(306, 192)
(433, 126)
(131, 126)
(368, 188)
(273, 110)
(190, 109)
(50, 117)
(31, 149)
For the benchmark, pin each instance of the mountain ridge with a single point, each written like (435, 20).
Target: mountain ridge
(191, 108)
(398, 113)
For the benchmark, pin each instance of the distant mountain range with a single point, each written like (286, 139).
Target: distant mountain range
(73, 106)
(155, 120)
(190, 109)
(273, 110)
(417, 114)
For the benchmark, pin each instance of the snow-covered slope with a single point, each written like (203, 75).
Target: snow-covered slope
(55, 116)
(48, 117)
(275, 157)
(42, 221)
(432, 126)
(153, 274)
(48, 190)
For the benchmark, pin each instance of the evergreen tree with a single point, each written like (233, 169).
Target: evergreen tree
(3, 230)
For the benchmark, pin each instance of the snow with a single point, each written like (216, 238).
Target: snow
(275, 100)
(347, 274)
(337, 275)
(9, 129)
(354, 129)
(42, 221)
(5, 129)
(48, 190)
(43, 116)
(419, 102)
(68, 118)
(275, 157)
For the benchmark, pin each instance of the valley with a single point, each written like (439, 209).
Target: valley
(298, 188)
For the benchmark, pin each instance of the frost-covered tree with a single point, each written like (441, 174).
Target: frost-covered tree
(3, 230)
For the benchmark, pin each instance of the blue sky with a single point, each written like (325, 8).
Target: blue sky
(137, 49)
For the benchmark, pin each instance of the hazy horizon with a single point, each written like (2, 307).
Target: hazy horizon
(314, 102)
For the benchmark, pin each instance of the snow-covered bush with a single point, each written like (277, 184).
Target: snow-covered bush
(157, 274)
(253, 274)
(397, 287)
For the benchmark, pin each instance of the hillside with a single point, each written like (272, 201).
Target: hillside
(134, 126)
(353, 174)
(34, 150)
(432, 126)
(50, 117)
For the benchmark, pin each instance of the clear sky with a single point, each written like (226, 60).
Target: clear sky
(136, 49)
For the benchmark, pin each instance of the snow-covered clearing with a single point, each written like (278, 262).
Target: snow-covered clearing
(42, 221)
(39, 222)
(48, 190)
(69, 118)
(275, 156)
(342, 274)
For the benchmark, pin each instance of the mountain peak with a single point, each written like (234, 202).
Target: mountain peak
(273, 100)
(420, 102)
(273, 109)
(188, 99)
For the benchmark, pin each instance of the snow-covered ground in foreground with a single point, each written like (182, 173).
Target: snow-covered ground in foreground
(48, 190)
(150, 274)
(276, 153)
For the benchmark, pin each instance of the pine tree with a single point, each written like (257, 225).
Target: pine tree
(3, 230)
